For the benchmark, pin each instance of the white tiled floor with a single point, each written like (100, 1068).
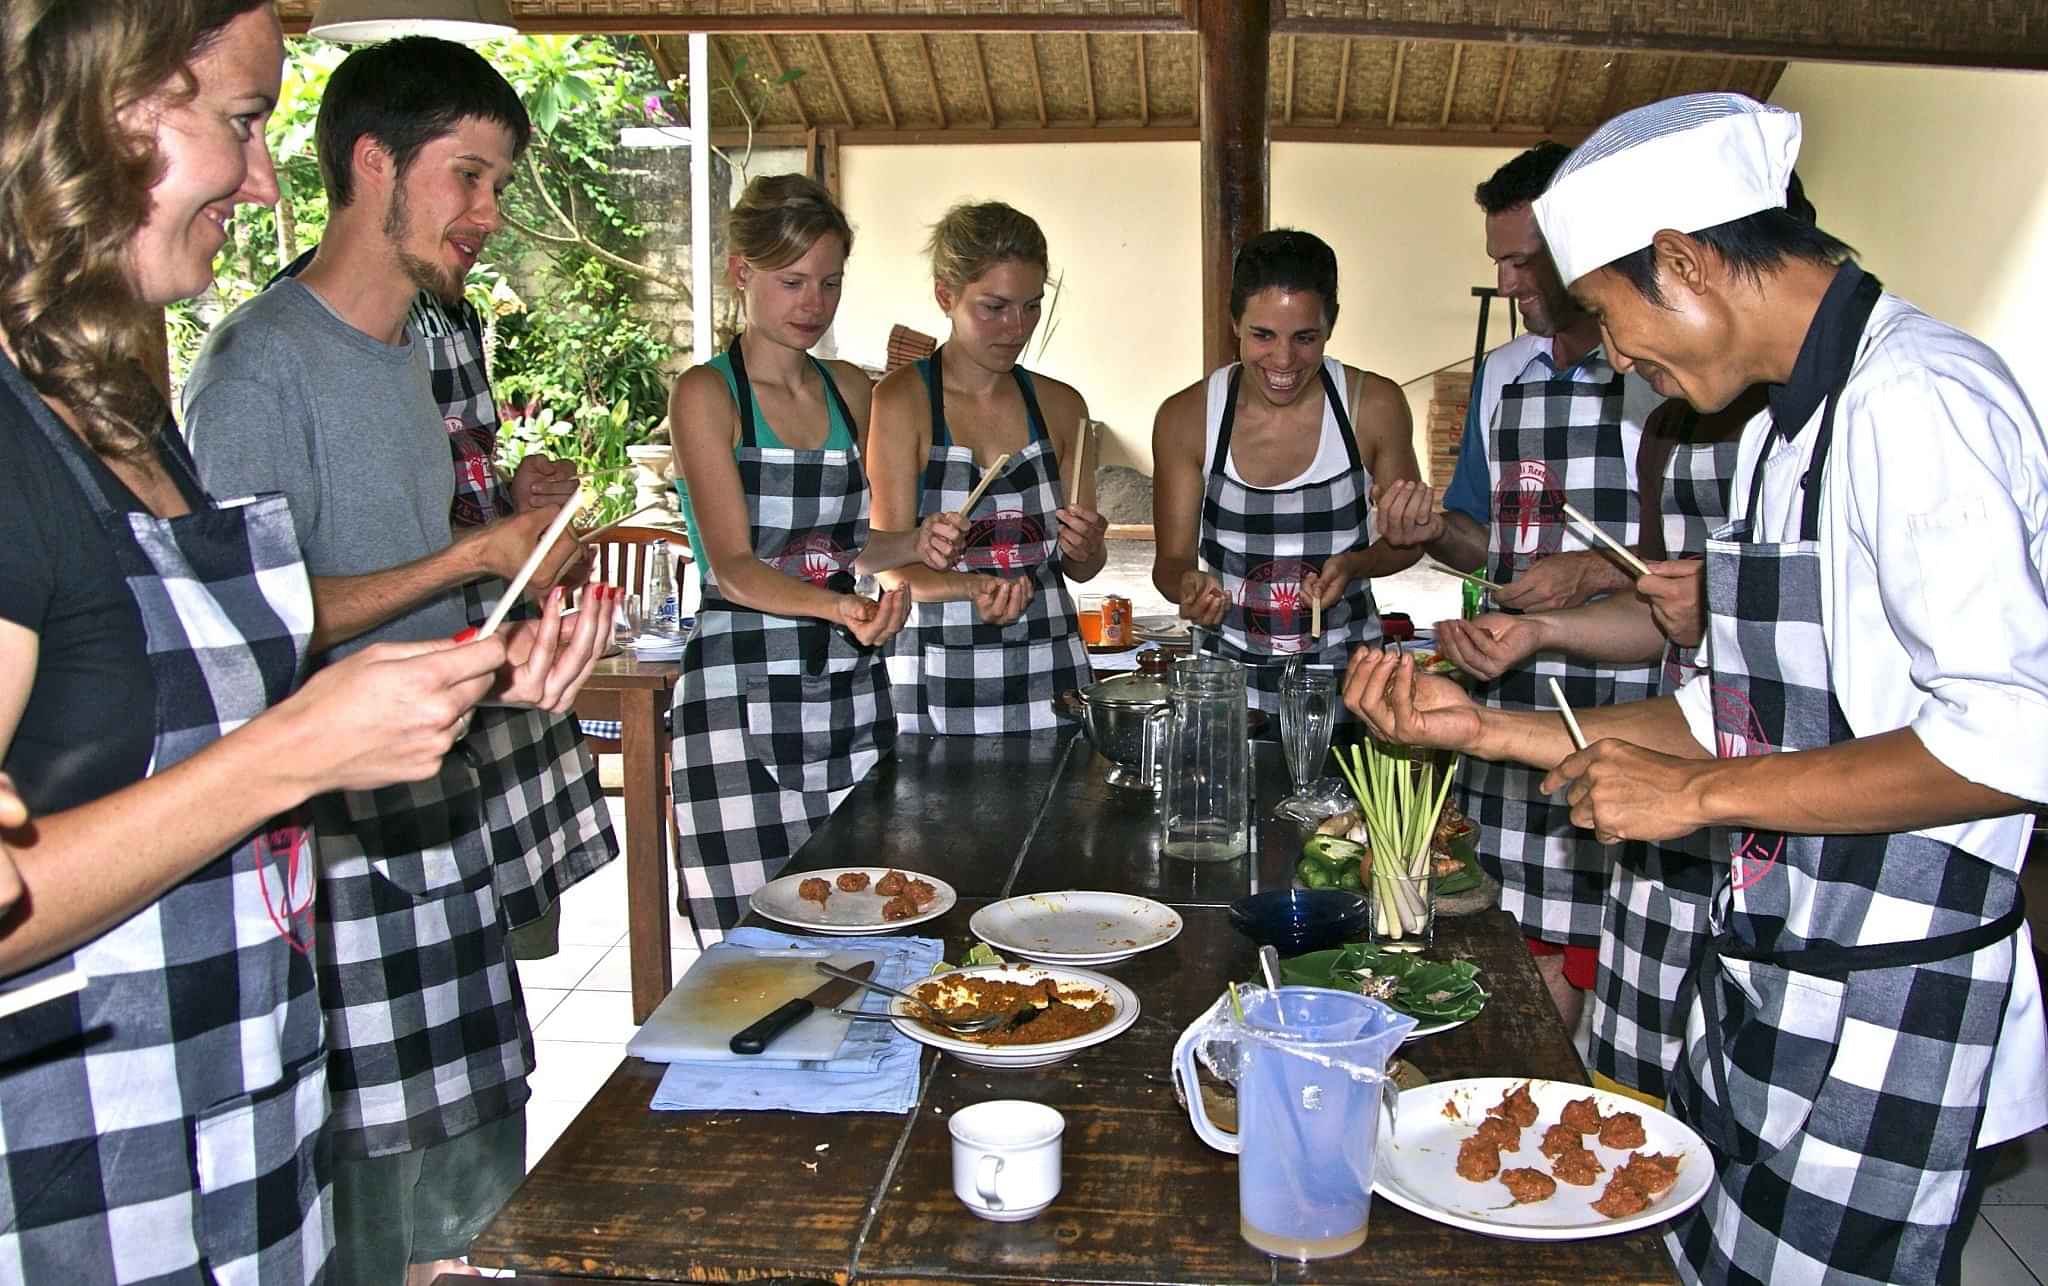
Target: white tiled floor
(580, 1007)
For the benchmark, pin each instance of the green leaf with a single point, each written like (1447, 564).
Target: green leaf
(793, 74)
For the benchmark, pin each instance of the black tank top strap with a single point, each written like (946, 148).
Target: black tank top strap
(1331, 391)
(935, 396)
(743, 392)
(1217, 463)
(837, 401)
(1031, 411)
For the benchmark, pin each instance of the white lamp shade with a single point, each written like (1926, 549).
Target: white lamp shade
(363, 21)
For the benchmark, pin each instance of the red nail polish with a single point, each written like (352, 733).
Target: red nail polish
(467, 635)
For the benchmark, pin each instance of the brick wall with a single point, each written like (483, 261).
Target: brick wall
(1447, 402)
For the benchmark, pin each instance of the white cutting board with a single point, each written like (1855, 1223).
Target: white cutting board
(730, 987)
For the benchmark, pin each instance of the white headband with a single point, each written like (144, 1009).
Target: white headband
(1685, 164)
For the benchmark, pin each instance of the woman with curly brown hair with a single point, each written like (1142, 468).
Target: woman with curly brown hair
(161, 1124)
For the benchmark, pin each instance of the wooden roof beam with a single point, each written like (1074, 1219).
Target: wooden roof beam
(775, 61)
(1564, 77)
(988, 98)
(662, 66)
(1617, 81)
(832, 78)
(1670, 76)
(1451, 85)
(931, 75)
(1287, 98)
(1037, 79)
(1507, 78)
(875, 62)
(1394, 84)
(1088, 74)
(1144, 88)
(1343, 83)
(809, 22)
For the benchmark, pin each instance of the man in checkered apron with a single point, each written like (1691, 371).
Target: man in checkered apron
(1862, 1025)
(420, 885)
(1551, 423)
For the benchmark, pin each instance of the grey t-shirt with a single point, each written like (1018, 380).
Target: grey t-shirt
(288, 397)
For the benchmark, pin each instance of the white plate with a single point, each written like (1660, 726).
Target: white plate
(1076, 928)
(1125, 1000)
(1160, 629)
(844, 912)
(1441, 1025)
(1417, 1169)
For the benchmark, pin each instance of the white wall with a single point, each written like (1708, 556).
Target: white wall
(1124, 226)
(1939, 179)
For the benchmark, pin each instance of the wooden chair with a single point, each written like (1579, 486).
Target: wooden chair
(907, 346)
(622, 556)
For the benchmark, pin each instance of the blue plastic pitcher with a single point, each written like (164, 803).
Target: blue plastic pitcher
(1310, 1066)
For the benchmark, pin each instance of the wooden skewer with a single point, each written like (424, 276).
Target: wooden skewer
(1315, 617)
(533, 561)
(987, 478)
(1080, 462)
(1571, 721)
(1480, 581)
(38, 993)
(1619, 550)
(595, 532)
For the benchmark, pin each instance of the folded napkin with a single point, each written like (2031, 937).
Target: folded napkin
(875, 1069)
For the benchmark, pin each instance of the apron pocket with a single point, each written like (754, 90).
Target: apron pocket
(959, 681)
(1779, 1031)
(428, 837)
(261, 1192)
(806, 730)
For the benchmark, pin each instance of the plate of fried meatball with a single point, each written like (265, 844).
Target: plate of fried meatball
(1539, 1160)
(854, 899)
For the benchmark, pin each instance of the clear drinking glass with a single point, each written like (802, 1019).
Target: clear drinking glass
(1205, 796)
(1308, 714)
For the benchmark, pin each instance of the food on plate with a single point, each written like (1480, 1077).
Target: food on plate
(852, 881)
(892, 884)
(1430, 990)
(814, 890)
(1649, 1171)
(1581, 1114)
(1621, 1199)
(1578, 1166)
(1518, 1107)
(1063, 1012)
(1558, 1140)
(1499, 1132)
(900, 907)
(921, 893)
(1527, 1185)
(1478, 1159)
(1623, 1130)
(1452, 825)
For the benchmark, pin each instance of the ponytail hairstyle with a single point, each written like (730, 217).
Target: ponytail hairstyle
(972, 238)
(75, 189)
(780, 217)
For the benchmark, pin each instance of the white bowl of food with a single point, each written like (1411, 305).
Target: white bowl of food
(1077, 1010)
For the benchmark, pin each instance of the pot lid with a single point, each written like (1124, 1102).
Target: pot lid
(1131, 688)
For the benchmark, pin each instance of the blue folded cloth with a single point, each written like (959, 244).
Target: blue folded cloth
(875, 1069)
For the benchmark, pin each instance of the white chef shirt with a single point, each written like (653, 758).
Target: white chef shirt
(1933, 531)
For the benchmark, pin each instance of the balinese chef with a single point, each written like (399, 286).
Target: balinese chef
(1864, 1025)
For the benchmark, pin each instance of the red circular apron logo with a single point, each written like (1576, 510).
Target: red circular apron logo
(1528, 506)
(1004, 542)
(812, 559)
(1739, 734)
(1275, 606)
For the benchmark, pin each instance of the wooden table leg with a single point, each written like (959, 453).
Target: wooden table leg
(640, 746)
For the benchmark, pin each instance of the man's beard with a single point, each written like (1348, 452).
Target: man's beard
(430, 277)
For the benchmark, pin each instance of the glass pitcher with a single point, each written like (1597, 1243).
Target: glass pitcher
(1205, 774)
(1310, 1067)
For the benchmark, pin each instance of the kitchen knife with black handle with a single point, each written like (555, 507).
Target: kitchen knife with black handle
(757, 1036)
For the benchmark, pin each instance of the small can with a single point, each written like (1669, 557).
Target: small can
(1116, 621)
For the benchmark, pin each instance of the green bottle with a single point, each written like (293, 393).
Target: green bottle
(1475, 597)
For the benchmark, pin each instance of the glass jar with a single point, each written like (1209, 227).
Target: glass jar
(1205, 775)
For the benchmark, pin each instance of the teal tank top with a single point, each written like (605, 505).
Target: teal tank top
(839, 437)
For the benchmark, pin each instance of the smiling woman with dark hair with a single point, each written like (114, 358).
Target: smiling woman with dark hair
(1264, 475)
(161, 1124)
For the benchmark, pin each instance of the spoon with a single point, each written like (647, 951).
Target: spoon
(986, 1022)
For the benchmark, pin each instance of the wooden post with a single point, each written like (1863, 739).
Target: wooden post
(1235, 38)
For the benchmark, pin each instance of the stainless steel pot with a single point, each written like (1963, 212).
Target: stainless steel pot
(1125, 719)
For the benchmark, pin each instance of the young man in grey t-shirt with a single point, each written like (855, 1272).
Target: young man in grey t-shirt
(317, 389)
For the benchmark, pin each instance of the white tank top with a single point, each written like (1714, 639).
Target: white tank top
(1331, 458)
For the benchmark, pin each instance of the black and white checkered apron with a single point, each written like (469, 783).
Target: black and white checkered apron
(549, 827)
(1844, 1013)
(950, 672)
(1261, 542)
(1657, 899)
(776, 717)
(1553, 442)
(161, 1126)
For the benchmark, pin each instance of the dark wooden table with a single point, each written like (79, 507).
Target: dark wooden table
(637, 694)
(628, 1194)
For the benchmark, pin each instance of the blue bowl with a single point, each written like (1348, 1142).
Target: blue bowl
(1295, 921)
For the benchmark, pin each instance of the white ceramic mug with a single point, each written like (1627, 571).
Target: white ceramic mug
(1006, 1158)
